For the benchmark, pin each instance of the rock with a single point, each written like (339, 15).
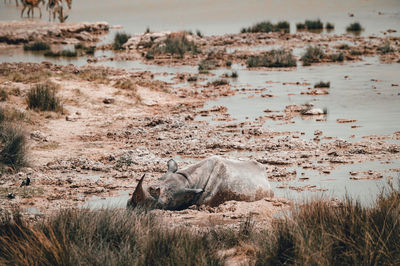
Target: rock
(108, 100)
(313, 111)
(38, 136)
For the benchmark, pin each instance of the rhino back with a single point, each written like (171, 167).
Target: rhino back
(225, 179)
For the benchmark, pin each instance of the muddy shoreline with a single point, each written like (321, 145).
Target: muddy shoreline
(118, 125)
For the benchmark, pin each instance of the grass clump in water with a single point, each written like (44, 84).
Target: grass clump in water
(354, 27)
(64, 53)
(322, 84)
(329, 26)
(206, 65)
(120, 39)
(42, 97)
(36, 46)
(267, 26)
(310, 25)
(174, 44)
(313, 54)
(273, 58)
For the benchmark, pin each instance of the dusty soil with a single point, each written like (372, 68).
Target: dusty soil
(118, 125)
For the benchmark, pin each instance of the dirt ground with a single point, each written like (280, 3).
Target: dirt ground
(118, 125)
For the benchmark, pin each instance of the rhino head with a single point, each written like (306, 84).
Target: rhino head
(174, 193)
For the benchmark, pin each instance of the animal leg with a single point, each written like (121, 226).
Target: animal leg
(40, 11)
(22, 12)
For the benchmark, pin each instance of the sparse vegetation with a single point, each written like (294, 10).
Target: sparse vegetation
(192, 79)
(9, 114)
(313, 233)
(107, 237)
(218, 82)
(310, 25)
(36, 46)
(354, 27)
(339, 57)
(329, 26)
(12, 146)
(313, 54)
(386, 48)
(125, 84)
(42, 97)
(120, 39)
(206, 65)
(355, 52)
(322, 84)
(233, 75)
(87, 50)
(199, 33)
(3, 95)
(344, 46)
(175, 44)
(267, 26)
(65, 53)
(273, 58)
(228, 63)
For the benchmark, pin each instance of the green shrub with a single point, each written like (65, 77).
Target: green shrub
(355, 52)
(36, 46)
(329, 26)
(314, 24)
(12, 147)
(199, 33)
(273, 58)
(120, 39)
(267, 26)
(343, 46)
(228, 63)
(356, 27)
(313, 54)
(322, 84)
(192, 79)
(68, 53)
(87, 50)
(300, 26)
(43, 97)
(52, 53)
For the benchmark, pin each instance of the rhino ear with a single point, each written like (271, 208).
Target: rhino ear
(172, 166)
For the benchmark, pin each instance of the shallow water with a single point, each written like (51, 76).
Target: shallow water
(228, 16)
(377, 111)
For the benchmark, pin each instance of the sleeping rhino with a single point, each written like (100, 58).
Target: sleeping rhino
(209, 182)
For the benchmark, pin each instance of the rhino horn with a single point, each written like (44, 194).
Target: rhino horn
(138, 195)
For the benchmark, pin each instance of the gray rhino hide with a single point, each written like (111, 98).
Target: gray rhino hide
(209, 182)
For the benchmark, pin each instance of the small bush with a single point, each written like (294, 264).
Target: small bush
(322, 84)
(68, 53)
(273, 58)
(355, 52)
(43, 97)
(356, 27)
(124, 84)
(218, 82)
(386, 48)
(267, 26)
(11, 115)
(87, 50)
(343, 46)
(175, 44)
(300, 26)
(36, 46)
(13, 149)
(52, 53)
(228, 63)
(314, 24)
(329, 26)
(234, 74)
(198, 33)
(337, 57)
(192, 79)
(313, 54)
(120, 39)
